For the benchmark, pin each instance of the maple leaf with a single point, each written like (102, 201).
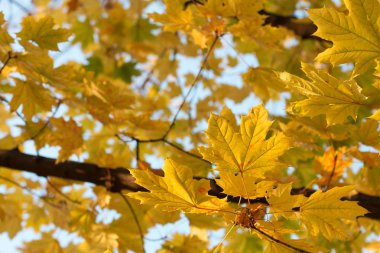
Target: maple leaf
(264, 83)
(184, 244)
(368, 133)
(282, 202)
(325, 95)
(356, 36)
(247, 150)
(5, 39)
(32, 97)
(177, 190)
(42, 32)
(175, 18)
(249, 186)
(331, 166)
(83, 32)
(67, 135)
(322, 213)
(46, 244)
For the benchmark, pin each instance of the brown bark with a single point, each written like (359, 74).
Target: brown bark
(120, 179)
(303, 30)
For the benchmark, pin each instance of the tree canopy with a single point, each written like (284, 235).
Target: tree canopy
(257, 120)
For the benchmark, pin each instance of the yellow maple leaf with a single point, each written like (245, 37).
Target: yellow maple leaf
(331, 166)
(32, 97)
(42, 33)
(264, 82)
(247, 150)
(67, 135)
(177, 190)
(240, 9)
(184, 244)
(199, 38)
(325, 95)
(249, 186)
(356, 36)
(281, 201)
(5, 39)
(368, 133)
(322, 213)
(175, 17)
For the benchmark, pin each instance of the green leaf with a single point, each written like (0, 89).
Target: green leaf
(94, 64)
(126, 71)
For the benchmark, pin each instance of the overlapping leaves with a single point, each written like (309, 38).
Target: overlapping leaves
(177, 190)
(356, 36)
(325, 95)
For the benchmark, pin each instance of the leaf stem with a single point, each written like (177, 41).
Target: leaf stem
(9, 57)
(196, 79)
(332, 173)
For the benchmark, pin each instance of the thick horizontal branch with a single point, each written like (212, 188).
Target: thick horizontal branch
(120, 179)
(303, 30)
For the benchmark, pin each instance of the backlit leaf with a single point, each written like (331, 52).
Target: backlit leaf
(322, 213)
(325, 95)
(177, 190)
(245, 151)
(42, 32)
(356, 36)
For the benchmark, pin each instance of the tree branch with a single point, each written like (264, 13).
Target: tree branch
(121, 179)
(303, 30)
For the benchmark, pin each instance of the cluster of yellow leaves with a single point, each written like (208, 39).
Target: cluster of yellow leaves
(203, 20)
(356, 36)
(331, 166)
(250, 154)
(325, 95)
(250, 159)
(42, 33)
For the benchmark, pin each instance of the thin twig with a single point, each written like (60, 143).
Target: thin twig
(237, 53)
(163, 138)
(279, 241)
(136, 220)
(21, 7)
(150, 73)
(137, 140)
(47, 121)
(122, 140)
(62, 194)
(184, 151)
(198, 76)
(17, 113)
(137, 152)
(332, 172)
(156, 239)
(9, 57)
(30, 192)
